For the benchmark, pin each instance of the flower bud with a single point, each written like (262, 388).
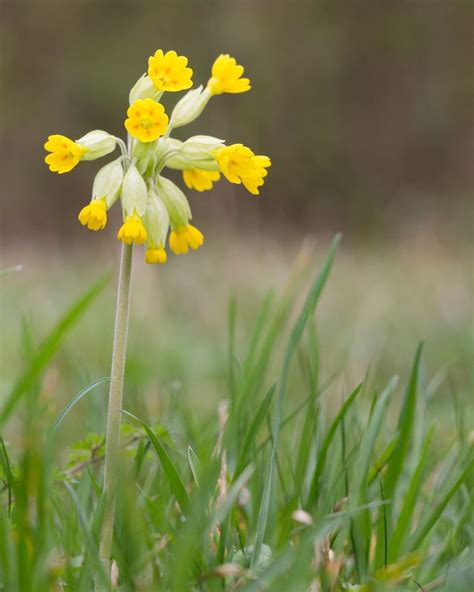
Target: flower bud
(107, 182)
(200, 146)
(174, 200)
(134, 192)
(196, 153)
(189, 107)
(98, 144)
(156, 220)
(144, 89)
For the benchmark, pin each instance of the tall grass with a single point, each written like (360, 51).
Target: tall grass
(267, 492)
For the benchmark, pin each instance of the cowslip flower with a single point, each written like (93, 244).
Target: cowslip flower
(226, 76)
(169, 71)
(132, 230)
(200, 180)
(240, 165)
(156, 212)
(94, 215)
(146, 120)
(184, 237)
(157, 221)
(105, 191)
(183, 234)
(156, 255)
(65, 153)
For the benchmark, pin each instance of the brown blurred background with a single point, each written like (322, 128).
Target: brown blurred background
(365, 108)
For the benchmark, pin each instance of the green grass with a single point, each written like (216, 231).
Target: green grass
(267, 459)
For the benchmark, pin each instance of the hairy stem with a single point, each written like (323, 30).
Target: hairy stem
(115, 402)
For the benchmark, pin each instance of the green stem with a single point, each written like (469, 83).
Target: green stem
(115, 403)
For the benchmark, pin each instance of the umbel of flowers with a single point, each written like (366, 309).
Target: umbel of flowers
(154, 208)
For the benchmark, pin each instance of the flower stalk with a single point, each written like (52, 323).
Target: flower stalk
(112, 446)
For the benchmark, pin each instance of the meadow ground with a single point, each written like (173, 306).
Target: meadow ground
(209, 493)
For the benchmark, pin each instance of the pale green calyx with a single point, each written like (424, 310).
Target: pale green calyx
(107, 182)
(189, 107)
(134, 192)
(144, 155)
(151, 157)
(98, 144)
(157, 220)
(174, 200)
(164, 149)
(144, 89)
(201, 145)
(195, 153)
(142, 151)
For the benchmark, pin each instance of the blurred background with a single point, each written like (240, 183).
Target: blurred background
(364, 107)
(366, 111)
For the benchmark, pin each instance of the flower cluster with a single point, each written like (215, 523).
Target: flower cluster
(153, 206)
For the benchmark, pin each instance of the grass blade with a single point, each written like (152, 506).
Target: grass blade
(89, 543)
(383, 459)
(169, 468)
(310, 367)
(422, 531)
(8, 475)
(321, 460)
(194, 465)
(295, 336)
(405, 428)
(262, 317)
(253, 430)
(253, 380)
(222, 510)
(82, 393)
(409, 503)
(360, 525)
(398, 458)
(49, 347)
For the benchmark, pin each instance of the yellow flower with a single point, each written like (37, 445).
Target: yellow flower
(199, 179)
(65, 154)
(147, 120)
(155, 255)
(226, 76)
(94, 215)
(132, 230)
(185, 236)
(168, 71)
(240, 165)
